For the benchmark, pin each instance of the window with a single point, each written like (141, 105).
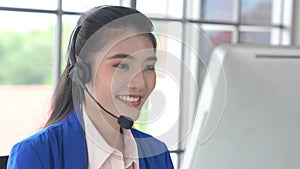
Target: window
(26, 48)
(218, 10)
(33, 43)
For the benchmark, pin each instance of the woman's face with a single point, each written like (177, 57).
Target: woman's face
(125, 76)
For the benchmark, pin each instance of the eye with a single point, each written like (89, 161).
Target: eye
(149, 67)
(122, 66)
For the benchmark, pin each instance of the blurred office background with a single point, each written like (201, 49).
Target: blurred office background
(34, 37)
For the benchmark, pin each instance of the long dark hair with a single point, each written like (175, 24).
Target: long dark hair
(63, 101)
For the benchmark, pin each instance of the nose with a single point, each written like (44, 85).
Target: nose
(138, 81)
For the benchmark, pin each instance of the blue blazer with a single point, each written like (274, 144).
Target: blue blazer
(62, 146)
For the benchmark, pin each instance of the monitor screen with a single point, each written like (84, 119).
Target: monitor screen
(248, 114)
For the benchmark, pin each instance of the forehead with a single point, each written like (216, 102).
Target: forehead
(132, 45)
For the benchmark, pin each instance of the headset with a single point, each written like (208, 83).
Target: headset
(80, 73)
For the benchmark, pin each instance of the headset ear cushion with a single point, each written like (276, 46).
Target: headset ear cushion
(83, 72)
(80, 73)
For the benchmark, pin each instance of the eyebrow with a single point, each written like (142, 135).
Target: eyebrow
(152, 58)
(121, 56)
(126, 56)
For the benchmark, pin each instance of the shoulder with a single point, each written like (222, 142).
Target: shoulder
(153, 153)
(46, 144)
(147, 144)
(147, 138)
(139, 134)
(142, 137)
(36, 149)
(52, 132)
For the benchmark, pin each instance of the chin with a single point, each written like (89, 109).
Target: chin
(135, 116)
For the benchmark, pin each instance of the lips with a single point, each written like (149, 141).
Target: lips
(132, 100)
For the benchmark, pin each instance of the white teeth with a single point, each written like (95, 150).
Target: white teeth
(129, 99)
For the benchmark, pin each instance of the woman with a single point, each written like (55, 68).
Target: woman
(109, 76)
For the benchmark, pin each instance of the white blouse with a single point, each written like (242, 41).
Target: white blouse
(102, 156)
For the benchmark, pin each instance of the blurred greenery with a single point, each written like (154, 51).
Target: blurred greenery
(27, 57)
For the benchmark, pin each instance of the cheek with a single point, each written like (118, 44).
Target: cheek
(118, 80)
(102, 81)
(151, 81)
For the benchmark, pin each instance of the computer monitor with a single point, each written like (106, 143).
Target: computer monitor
(248, 115)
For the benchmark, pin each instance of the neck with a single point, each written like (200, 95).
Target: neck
(106, 125)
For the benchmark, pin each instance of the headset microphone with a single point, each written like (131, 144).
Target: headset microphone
(80, 73)
(123, 121)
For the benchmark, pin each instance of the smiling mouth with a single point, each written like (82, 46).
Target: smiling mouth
(132, 100)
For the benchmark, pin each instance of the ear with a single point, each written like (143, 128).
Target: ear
(77, 58)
